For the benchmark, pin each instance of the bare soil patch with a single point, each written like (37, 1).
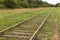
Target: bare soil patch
(55, 30)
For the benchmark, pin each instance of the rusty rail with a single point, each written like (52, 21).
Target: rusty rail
(17, 24)
(39, 27)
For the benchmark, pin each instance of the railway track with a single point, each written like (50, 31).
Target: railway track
(25, 30)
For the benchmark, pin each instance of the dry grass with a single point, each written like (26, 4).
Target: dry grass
(19, 10)
(7, 12)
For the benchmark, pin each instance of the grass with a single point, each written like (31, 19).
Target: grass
(47, 30)
(11, 17)
(58, 17)
(31, 23)
(21, 17)
(46, 33)
(57, 12)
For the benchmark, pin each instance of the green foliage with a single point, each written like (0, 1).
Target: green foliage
(17, 3)
(57, 5)
(23, 4)
(9, 3)
(2, 6)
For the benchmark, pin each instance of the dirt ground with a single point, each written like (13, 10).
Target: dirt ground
(55, 30)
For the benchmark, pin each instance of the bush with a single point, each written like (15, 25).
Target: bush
(9, 4)
(2, 6)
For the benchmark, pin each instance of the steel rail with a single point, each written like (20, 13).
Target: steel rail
(39, 27)
(17, 24)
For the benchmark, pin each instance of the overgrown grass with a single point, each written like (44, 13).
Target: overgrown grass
(57, 10)
(46, 33)
(11, 17)
(47, 29)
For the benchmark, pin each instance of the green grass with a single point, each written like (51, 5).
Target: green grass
(46, 33)
(12, 19)
(47, 29)
(57, 10)
(8, 19)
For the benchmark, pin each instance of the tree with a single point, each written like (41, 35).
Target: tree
(57, 5)
(9, 3)
(2, 4)
(24, 4)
